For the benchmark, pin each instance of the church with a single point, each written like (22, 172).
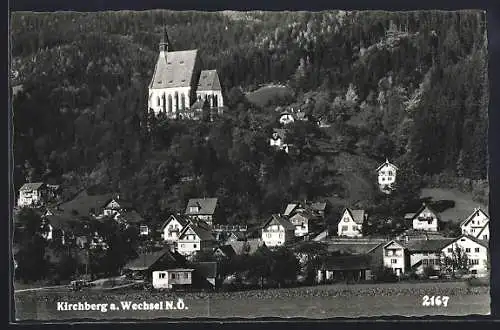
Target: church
(179, 88)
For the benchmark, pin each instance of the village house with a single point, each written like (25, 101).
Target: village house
(224, 252)
(477, 225)
(352, 268)
(403, 256)
(286, 118)
(134, 219)
(277, 231)
(277, 140)
(386, 176)
(476, 251)
(204, 209)
(318, 209)
(145, 264)
(351, 223)
(32, 194)
(305, 223)
(173, 278)
(172, 227)
(116, 207)
(178, 82)
(195, 237)
(425, 219)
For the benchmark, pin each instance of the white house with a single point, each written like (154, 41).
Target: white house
(476, 251)
(116, 207)
(194, 238)
(477, 225)
(351, 223)
(32, 194)
(174, 87)
(425, 219)
(395, 257)
(172, 227)
(167, 279)
(277, 231)
(286, 118)
(305, 222)
(386, 175)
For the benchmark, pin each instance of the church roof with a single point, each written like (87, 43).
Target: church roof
(209, 81)
(174, 69)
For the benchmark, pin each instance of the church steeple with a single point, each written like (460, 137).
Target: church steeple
(164, 42)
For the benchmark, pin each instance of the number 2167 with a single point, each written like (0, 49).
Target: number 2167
(435, 301)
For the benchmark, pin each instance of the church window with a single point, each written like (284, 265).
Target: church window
(183, 102)
(176, 101)
(169, 103)
(158, 101)
(216, 101)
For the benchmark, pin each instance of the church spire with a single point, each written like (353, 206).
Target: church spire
(164, 43)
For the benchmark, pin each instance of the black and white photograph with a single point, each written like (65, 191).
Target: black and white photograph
(220, 165)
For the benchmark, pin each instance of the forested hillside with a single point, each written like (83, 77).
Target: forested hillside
(408, 86)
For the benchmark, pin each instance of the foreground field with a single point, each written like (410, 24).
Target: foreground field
(340, 300)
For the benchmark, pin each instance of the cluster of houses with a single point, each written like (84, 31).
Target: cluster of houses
(197, 229)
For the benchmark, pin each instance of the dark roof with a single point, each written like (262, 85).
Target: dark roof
(132, 217)
(238, 234)
(31, 186)
(206, 206)
(424, 205)
(84, 204)
(202, 232)
(386, 163)
(209, 81)
(280, 220)
(183, 220)
(476, 211)
(423, 245)
(208, 269)
(60, 221)
(307, 215)
(147, 260)
(227, 250)
(252, 244)
(318, 206)
(354, 262)
(352, 248)
(357, 215)
(174, 69)
(290, 207)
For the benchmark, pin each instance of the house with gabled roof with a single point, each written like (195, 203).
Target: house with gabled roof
(204, 209)
(351, 223)
(277, 231)
(32, 194)
(195, 237)
(316, 208)
(116, 206)
(146, 263)
(85, 205)
(425, 219)
(477, 224)
(305, 222)
(172, 227)
(476, 251)
(386, 175)
(178, 81)
(209, 89)
(224, 251)
(403, 256)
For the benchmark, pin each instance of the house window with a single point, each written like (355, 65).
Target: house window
(186, 275)
(182, 245)
(467, 250)
(394, 261)
(390, 172)
(485, 236)
(172, 276)
(161, 275)
(431, 262)
(354, 228)
(425, 253)
(280, 235)
(268, 235)
(425, 262)
(158, 99)
(345, 228)
(194, 246)
(169, 234)
(450, 249)
(476, 250)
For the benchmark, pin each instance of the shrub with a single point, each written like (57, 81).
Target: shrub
(385, 275)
